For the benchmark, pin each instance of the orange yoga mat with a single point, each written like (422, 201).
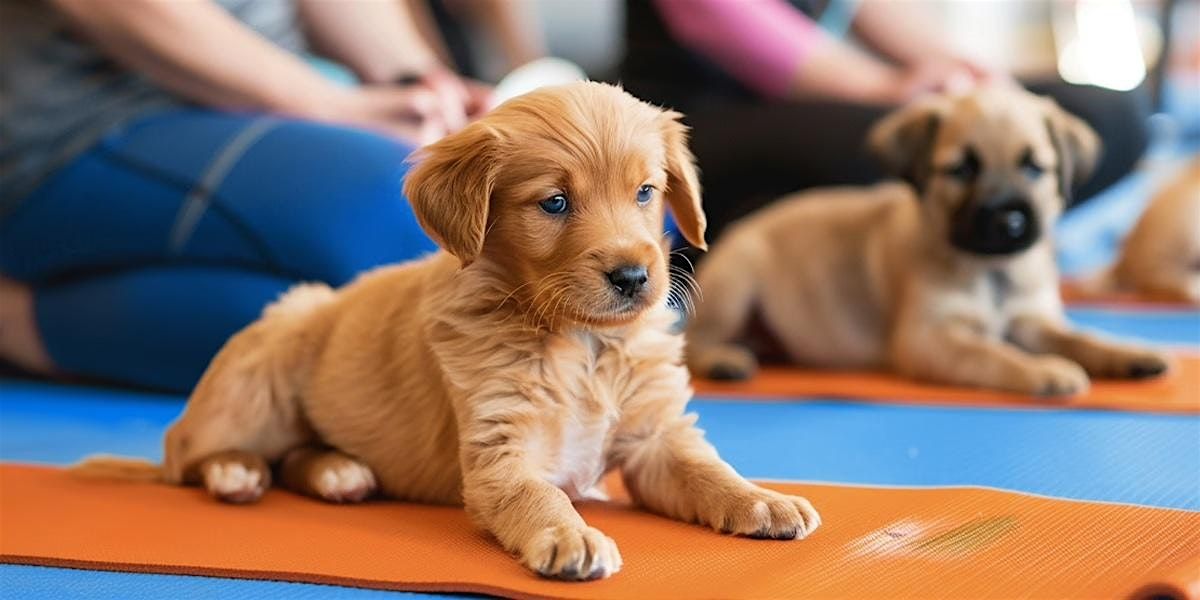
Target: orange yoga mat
(1078, 294)
(1178, 391)
(875, 543)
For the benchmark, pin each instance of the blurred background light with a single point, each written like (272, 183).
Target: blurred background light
(1099, 44)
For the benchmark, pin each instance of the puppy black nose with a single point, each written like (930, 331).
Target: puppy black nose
(996, 228)
(629, 280)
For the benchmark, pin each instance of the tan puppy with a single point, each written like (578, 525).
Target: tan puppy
(1161, 256)
(508, 373)
(950, 278)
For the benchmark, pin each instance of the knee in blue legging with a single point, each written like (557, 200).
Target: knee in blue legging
(326, 202)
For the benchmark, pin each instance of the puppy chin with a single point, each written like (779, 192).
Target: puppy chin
(620, 310)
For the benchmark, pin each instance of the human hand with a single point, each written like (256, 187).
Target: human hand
(461, 99)
(412, 114)
(480, 98)
(954, 75)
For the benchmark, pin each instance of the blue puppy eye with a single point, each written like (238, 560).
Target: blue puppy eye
(645, 194)
(555, 205)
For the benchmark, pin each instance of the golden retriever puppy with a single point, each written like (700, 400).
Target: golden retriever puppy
(1161, 256)
(949, 277)
(507, 373)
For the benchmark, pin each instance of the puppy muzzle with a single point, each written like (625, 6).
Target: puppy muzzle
(995, 228)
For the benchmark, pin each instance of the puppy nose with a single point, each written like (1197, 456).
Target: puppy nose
(629, 279)
(1002, 227)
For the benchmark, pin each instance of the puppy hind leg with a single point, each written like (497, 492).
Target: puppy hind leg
(729, 286)
(246, 405)
(1172, 285)
(326, 474)
(233, 476)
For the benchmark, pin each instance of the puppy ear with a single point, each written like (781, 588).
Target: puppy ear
(683, 183)
(903, 141)
(450, 189)
(1077, 145)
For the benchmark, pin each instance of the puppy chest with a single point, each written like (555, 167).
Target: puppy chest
(589, 378)
(581, 458)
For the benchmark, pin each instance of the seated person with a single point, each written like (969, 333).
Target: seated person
(777, 105)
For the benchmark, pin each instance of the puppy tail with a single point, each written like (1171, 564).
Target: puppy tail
(300, 300)
(103, 466)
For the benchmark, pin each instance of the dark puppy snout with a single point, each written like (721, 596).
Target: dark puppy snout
(1002, 226)
(629, 280)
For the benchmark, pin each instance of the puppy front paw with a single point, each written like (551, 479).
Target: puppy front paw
(725, 362)
(763, 514)
(1054, 376)
(572, 553)
(1136, 364)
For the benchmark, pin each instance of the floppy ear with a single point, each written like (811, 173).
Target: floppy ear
(903, 141)
(683, 184)
(450, 189)
(1077, 145)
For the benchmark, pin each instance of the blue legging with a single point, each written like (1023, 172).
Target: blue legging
(147, 252)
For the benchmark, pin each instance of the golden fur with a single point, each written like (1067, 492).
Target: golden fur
(1161, 256)
(868, 277)
(504, 374)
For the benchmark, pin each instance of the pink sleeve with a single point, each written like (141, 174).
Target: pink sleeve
(759, 42)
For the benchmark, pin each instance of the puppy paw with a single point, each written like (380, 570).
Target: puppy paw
(1140, 364)
(342, 479)
(237, 479)
(763, 514)
(1054, 376)
(572, 553)
(725, 363)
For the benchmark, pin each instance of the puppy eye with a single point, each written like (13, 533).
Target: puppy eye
(645, 194)
(554, 205)
(1030, 167)
(967, 168)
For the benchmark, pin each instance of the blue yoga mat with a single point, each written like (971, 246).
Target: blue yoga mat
(1092, 455)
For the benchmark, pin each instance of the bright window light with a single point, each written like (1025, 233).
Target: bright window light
(1102, 47)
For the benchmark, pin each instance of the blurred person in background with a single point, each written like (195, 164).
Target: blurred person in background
(167, 168)
(777, 105)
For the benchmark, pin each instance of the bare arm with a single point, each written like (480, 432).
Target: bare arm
(900, 31)
(904, 32)
(200, 52)
(510, 24)
(378, 39)
(382, 41)
(838, 70)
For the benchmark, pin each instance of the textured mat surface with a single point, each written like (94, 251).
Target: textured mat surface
(1085, 454)
(54, 583)
(1080, 454)
(877, 542)
(1176, 392)
(1158, 325)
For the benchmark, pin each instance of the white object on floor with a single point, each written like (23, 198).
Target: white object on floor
(535, 74)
